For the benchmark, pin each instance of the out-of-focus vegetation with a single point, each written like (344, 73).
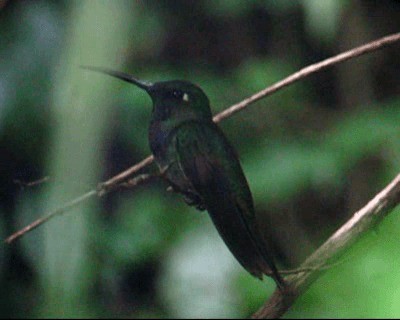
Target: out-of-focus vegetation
(313, 154)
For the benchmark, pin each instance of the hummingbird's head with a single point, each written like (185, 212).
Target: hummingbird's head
(172, 100)
(179, 99)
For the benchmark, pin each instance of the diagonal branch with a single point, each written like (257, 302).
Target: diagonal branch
(309, 70)
(361, 222)
(115, 181)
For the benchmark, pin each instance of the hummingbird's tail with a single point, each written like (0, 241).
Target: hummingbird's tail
(246, 244)
(265, 262)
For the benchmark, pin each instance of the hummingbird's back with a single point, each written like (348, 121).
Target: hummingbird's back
(203, 166)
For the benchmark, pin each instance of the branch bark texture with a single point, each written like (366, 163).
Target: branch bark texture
(361, 222)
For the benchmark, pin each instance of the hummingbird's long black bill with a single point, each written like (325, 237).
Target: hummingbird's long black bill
(121, 75)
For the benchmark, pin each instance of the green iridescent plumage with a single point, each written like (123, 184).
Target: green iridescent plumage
(198, 161)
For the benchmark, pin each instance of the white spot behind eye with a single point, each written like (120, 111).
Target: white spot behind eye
(185, 97)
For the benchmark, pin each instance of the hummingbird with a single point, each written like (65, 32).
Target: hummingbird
(197, 160)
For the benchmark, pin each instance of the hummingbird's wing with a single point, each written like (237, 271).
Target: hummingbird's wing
(211, 165)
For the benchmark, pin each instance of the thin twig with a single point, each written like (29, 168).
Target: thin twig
(110, 184)
(361, 222)
(303, 73)
(101, 190)
(29, 184)
(310, 269)
(139, 179)
(52, 214)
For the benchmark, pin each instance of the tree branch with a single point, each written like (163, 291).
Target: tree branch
(361, 222)
(307, 71)
(115, 181)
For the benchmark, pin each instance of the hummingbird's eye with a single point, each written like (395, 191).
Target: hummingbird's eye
(178, 94)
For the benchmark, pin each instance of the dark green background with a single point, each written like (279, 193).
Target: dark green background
(313, 153)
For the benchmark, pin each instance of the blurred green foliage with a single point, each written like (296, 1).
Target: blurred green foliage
(313, 154)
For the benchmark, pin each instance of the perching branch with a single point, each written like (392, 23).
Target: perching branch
(102, 189)
(361, 222)
(50, 215)
(114, 182)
